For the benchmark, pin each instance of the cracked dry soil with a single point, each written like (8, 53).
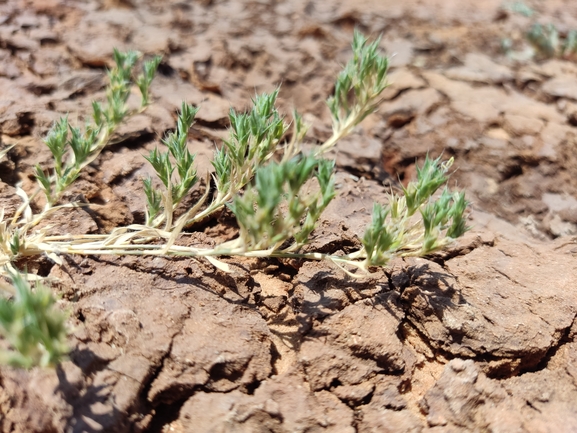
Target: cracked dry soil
(480, 338)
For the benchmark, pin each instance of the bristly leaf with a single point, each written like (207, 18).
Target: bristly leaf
(56, 140)
(162, 165)
(144, 80)
(44, 180)
(222, 164)
(326, 179)
(153, 201)
(97, 114)
(430, 177)
(80, 145)
(457, 213)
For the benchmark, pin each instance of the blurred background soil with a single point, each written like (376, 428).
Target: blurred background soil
(479, 338)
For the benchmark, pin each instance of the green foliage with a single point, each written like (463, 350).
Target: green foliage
(176, 187)
(358, 88)
(222, 169)
(429, 178)
(444, 213)
(381, 240)
(549, 43)
(276, 191)
(254, 137)
(275, 208)
(442, 219)
(544, 38)
(33, 326)
(153, 201)
(72, 148)
(144, 80)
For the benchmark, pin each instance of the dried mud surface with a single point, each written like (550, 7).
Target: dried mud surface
(480, 338)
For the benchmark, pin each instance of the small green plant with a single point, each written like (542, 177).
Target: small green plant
(276, 191)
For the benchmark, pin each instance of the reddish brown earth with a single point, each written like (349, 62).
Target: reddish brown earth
(482, 338)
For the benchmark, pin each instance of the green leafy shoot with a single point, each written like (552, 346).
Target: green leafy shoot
(153, 201)
(32, 325)
(144, 80)
(444, 213)
(357, 89)
(430, 177)
(73, 148)
(176, 187)
(381, 240)
(275, 208)
(569, 48)
(394, 233)
(254, 137)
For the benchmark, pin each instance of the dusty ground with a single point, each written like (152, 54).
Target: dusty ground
(481, 338)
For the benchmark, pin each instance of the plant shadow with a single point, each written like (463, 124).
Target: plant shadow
(92, 410)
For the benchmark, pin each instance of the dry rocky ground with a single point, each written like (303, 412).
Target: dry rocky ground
(481, 338)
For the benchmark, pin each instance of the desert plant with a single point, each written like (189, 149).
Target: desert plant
(275, 190)
(275, 218)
